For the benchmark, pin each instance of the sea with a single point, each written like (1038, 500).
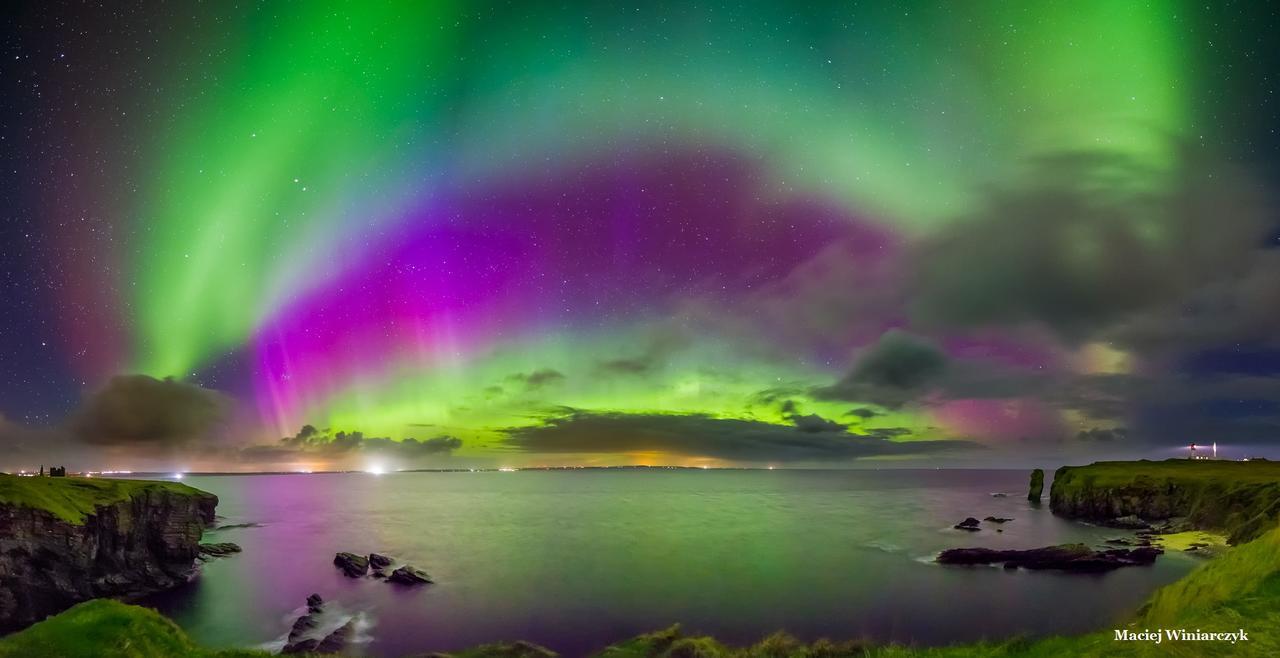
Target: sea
(577, 559)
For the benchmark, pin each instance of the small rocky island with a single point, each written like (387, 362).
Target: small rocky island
(68, 539)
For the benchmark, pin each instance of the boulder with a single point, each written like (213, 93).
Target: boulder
(379, 561)
(970, 524)
(315, 603)
(335, 641)
(408, 575)
(301, 627)
(352, 565)
(1076, 558)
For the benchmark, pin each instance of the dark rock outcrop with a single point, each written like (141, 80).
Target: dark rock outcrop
(219, 549)
(1036, 489)
(408, 575)
(379, 561)
(1076, 558)
(335, 641)
(970, 524)
(145, 542)
(997, 519)
(304, 638)
(352, 565)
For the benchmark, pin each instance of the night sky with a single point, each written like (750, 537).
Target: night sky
(666, 233)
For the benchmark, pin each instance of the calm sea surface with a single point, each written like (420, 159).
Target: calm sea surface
(575, 560)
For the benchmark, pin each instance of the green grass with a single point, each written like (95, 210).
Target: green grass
(73, 498)
(1116, 474)
(1242, 499)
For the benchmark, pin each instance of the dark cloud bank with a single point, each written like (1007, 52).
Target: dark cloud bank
(810, 439)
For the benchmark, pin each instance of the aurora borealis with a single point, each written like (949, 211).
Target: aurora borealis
(655, 233)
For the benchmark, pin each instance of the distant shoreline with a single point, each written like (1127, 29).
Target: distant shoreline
(171, 474)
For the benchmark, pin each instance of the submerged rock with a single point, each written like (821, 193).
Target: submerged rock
(1076, 558)
(234, 526)
(999, 494)
(352, 565)
(219, 549)
(997, 519)
(408, 575)
(970, 524)
(1129, 522)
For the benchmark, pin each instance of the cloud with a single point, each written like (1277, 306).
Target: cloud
(1105, 434)
(145, 412)
(345, 447)
(630, 366)
(814, 423)
(1083, 242)
(538, 378)
(894, 370)
(698, 435)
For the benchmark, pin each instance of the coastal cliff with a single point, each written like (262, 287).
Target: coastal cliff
(1241, 499)
(66, 540)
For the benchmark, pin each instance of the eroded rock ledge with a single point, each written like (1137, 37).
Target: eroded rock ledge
(1241, 499)
(66, 540)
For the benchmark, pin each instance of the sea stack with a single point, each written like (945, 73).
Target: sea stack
(1037, 485)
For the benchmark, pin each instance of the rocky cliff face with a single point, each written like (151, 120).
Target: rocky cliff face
(1234, 501)
(146, 542)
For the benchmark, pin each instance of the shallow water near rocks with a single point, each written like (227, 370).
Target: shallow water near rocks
(575, 560)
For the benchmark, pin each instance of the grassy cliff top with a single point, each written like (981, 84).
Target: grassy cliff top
(1186, 470)
(73, 498)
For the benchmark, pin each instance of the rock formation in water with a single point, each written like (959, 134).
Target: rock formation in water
(1068, 557)
(352, 565)
(217, 550)
(306, 636)
(1239, 498)
(68, 540)
(408, 575)
(379, 563)
(970, 524)
(1037, 485)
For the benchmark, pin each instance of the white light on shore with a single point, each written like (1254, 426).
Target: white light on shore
(177, 476)
(375, 470)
